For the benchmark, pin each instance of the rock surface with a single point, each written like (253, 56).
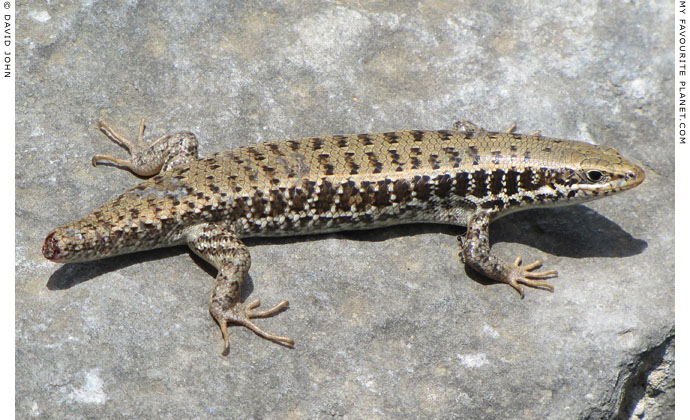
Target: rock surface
(388, 323)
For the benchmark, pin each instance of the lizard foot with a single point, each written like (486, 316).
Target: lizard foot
(147, 160)
(121, 141)
(520, 275)
(241, 314)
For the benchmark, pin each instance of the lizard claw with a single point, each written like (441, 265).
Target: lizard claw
(520, 275)
(241, 314)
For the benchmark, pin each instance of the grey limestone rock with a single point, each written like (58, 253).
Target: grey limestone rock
(388, 323)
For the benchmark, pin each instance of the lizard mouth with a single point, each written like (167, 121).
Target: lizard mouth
(633, 178)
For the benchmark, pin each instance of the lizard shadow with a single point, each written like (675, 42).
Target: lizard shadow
(70, 275)
(572, 232)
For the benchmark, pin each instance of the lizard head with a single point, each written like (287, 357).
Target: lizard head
(597, 171)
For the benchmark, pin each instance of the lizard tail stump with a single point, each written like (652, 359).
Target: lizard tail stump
(50, 248)
(465, 176)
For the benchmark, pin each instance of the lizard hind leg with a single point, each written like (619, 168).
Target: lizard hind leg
(164, 153)
(217, 244)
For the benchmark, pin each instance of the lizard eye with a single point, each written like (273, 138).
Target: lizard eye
(594, 176)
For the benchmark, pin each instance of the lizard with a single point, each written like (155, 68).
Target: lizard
(465, 176)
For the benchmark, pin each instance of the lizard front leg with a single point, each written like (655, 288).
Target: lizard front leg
(476, 252)
(217, 244)
(163, 154)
